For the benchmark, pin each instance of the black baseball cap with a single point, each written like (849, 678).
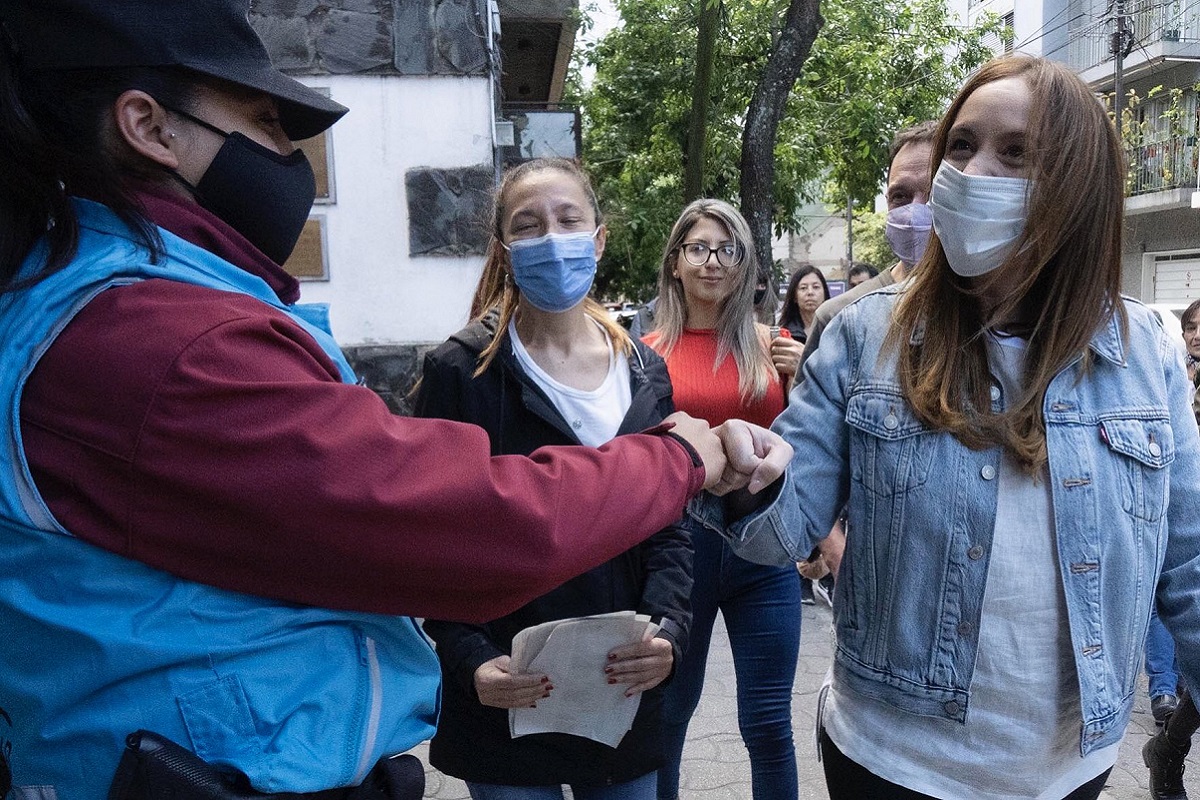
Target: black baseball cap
(211, 37)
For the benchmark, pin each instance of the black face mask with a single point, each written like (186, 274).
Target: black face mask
(261, 194)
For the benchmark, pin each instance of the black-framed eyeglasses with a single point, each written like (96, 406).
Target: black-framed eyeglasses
(697, 254)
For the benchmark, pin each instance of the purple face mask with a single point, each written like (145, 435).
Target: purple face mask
(907, 231)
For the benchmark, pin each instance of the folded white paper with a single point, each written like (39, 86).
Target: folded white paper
(573, 653)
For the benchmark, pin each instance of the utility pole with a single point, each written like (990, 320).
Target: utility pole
(1118, 50)
(849, 230)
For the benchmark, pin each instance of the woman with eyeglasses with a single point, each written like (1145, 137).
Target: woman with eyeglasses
(719, 360)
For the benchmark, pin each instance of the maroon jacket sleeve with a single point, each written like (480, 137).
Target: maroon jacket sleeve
(205, 434)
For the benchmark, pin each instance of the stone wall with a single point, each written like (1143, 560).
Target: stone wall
(389, 370)
(405, 37)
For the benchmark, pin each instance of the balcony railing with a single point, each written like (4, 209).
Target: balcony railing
(1148, 21)
(1169, 164)
(542, 130)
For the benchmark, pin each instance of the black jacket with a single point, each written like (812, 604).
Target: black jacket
(655, 578)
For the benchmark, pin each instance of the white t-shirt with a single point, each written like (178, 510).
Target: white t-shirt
(594, 416)
(1023, 727)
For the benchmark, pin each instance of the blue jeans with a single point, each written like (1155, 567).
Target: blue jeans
(1161, 670)
(761, 608)
(638, 789)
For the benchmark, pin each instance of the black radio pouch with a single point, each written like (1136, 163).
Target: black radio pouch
(155, 768)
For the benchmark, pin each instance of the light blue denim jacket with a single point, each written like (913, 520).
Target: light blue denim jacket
(1125, 471)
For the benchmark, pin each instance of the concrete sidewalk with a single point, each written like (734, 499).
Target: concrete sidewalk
(715, 764)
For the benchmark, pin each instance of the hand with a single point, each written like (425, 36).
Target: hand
(643, 665)
(697, 433)
(500, 688)
(813, 569)
(756, 457)
(832, 547)
(785, 355)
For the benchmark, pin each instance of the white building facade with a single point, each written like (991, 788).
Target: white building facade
(442, 95)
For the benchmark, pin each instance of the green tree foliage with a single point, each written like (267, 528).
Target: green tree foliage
(870, 241)
(877, 66)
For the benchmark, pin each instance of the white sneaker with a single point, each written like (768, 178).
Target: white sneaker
(822, 594)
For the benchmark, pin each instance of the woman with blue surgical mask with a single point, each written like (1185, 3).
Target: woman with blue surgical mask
(542, 364)
(1017, 448)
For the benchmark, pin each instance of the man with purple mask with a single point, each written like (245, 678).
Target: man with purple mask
(909, 221)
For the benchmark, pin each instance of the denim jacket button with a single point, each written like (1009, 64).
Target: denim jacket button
(1155, 449)
(965, 628)
(988, 472)
(952, 708)
(975, 553)
(890, 422)
(995, 393)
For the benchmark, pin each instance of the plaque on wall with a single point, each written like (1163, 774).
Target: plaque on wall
(310, 260)
(319, 150)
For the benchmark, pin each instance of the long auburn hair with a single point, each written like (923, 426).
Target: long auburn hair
(1066, 270)
(497, 292)
(736, 333)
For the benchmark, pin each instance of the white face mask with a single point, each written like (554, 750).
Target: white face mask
(978, 218)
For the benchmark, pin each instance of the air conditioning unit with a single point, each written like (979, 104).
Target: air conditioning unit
(505, 133)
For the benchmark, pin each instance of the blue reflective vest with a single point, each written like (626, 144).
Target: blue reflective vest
(94, 646)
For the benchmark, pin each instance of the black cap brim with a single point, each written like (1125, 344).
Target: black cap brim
(303, 111)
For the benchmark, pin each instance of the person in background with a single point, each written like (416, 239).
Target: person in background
(806, 291)
(542, 364)
(1171, 702)
(1022, 466)
(208, 531)
(860, 272)
(1190, 323)
(720, 366)
(909, 222)
(643, 321)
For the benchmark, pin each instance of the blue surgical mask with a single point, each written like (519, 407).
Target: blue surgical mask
(978, 218)
(554, 272)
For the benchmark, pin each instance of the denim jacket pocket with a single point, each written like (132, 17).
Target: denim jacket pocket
(888, 453)
(1146, 447)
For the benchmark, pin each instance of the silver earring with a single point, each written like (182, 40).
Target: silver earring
(170, 134)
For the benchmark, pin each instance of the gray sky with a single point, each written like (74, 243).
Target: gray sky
(604, 18)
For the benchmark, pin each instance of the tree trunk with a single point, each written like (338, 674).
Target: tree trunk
(800, 28)
(693, 162)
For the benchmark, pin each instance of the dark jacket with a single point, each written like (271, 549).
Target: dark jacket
(655, 578)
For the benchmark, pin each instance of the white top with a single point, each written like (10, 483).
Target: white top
(595, 416)
(1022, 732)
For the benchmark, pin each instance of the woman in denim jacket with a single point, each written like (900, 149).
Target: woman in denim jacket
(1017, 447)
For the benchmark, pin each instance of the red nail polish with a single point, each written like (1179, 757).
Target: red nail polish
(607, 670)
(612, 680)
(545, 679)
(612, 657)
